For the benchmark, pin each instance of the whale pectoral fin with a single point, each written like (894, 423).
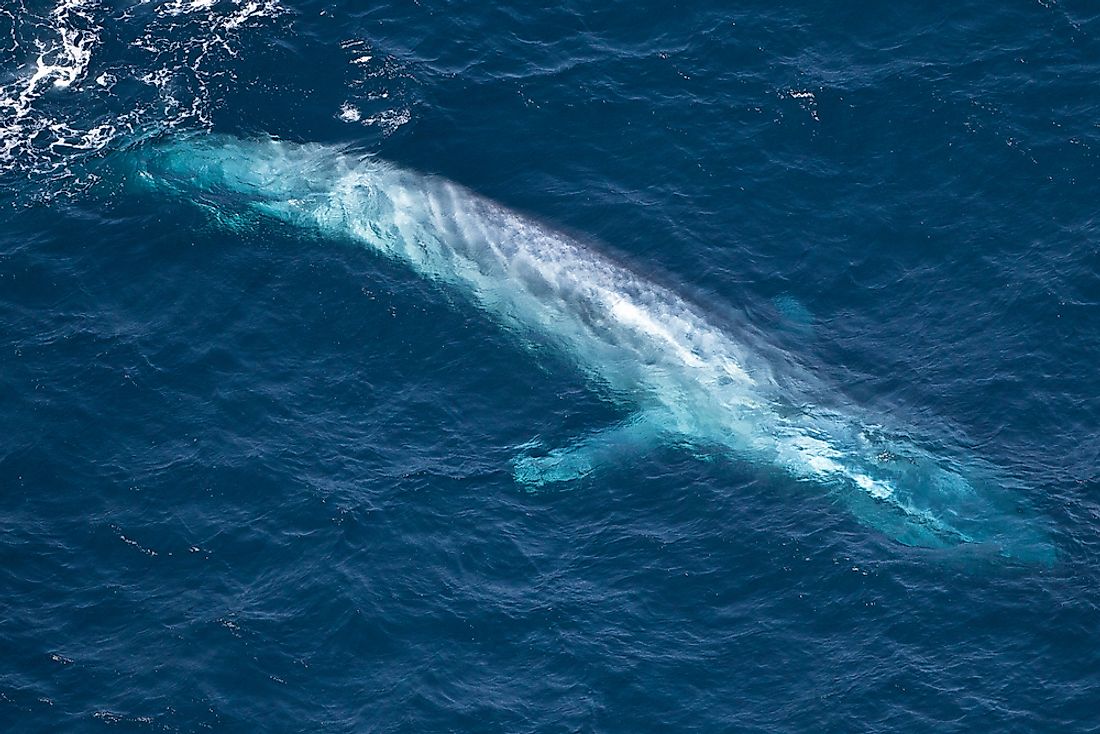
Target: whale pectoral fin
(608, 447)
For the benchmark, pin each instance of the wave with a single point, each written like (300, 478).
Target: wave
(86, 72)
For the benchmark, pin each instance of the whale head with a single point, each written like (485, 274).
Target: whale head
(233, 178)
(322, 188)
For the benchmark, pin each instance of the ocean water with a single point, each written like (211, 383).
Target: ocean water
(258, 474)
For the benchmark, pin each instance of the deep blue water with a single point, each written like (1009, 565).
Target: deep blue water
(255, 479)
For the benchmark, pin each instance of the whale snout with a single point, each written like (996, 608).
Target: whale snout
(239, 171)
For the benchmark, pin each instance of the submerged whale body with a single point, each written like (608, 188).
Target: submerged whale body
(685, 380)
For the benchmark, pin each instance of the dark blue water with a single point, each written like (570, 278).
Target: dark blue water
(254, 479)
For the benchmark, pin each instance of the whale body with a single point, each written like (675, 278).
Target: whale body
(683, 378)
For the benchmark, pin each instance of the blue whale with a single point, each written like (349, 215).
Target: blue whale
(683, 378)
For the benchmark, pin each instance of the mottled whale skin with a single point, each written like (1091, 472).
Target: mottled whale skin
(683, 379)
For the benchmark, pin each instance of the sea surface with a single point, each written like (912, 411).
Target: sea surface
(257, 479)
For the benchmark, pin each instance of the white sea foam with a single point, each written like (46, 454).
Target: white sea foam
(807, 99)
(61, 61)
(376, 84)
(61, 101)
(350, 113)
